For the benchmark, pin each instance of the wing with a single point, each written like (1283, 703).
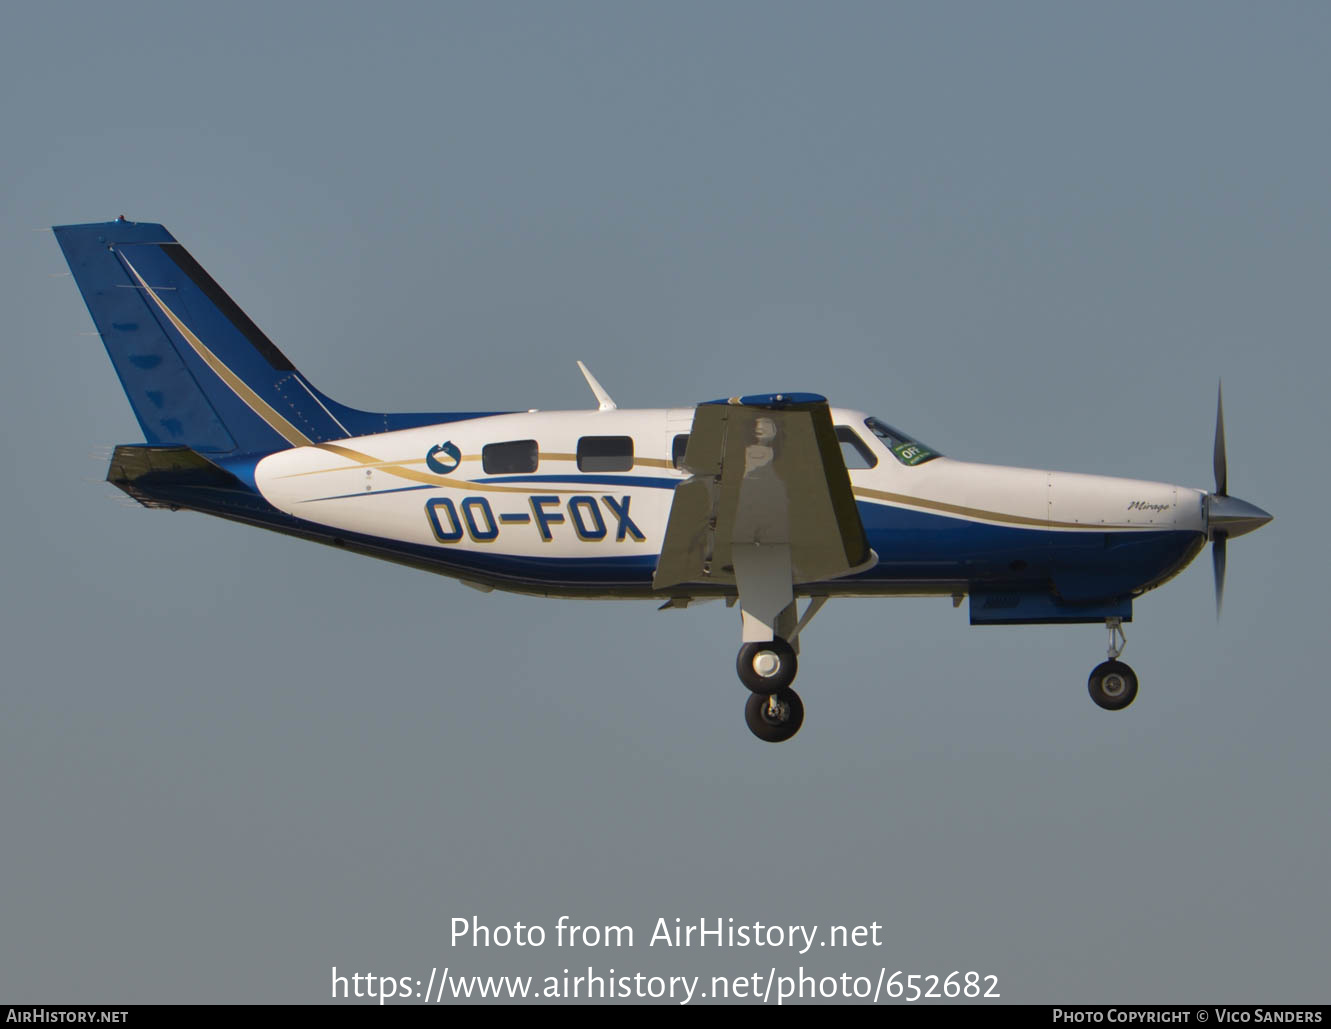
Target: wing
(765, 470)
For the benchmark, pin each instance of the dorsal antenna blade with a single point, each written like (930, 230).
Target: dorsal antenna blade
(603, 401)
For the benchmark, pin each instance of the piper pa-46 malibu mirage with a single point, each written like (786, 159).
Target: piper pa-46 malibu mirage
(759, 500)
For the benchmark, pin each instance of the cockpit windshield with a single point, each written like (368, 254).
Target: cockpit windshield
(906, 450)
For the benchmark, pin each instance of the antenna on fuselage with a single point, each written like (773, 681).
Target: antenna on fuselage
(604, 403)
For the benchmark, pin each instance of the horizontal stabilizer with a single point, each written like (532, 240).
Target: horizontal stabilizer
(148, 473)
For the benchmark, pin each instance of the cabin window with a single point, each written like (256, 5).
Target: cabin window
(519, 456)
(605, 453)
(854, 451)
(677, 449)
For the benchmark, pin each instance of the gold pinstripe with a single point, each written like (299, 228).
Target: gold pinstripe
(980, 513)
(369, 462)
(251, 399)
(366, 461)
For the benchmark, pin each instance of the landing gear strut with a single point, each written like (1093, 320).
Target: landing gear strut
(1113, 685)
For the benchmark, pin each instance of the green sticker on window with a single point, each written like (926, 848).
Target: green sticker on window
(912, 453)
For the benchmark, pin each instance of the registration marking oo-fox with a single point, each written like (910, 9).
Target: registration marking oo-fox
(475, 519)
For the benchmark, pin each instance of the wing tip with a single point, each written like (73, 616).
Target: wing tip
(775, 401)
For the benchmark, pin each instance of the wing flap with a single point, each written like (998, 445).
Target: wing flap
(765, 471)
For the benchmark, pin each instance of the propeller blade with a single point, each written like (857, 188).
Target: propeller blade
(1218, 459)
(1218, 563)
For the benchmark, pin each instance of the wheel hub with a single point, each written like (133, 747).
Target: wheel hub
(766, 664)
(1114, 685)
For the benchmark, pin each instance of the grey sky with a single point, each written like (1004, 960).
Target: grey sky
(1032, 234)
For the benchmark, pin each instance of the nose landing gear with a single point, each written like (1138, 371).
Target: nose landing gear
(1113, 685)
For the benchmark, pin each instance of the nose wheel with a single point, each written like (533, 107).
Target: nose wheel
(774, 717)
(1113, 685)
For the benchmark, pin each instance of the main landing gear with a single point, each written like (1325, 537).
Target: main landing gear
(770, 632)
(1113, 685)
(774, 712)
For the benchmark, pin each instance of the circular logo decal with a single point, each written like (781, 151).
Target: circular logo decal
(443, 458)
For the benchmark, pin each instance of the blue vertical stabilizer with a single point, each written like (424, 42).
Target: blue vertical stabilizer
(198, 372)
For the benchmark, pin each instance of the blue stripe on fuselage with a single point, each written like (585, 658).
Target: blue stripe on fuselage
(372, 493)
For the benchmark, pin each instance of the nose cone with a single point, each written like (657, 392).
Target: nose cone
(1230, 516)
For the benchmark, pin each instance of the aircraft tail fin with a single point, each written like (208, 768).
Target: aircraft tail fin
(197, 370)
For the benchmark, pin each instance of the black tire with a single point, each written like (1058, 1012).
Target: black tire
(1113, 685)
(777, 680)
(781, 728)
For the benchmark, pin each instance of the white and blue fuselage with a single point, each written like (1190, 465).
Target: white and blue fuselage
(558, 525)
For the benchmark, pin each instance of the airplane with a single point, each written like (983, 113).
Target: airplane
(759, 500)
